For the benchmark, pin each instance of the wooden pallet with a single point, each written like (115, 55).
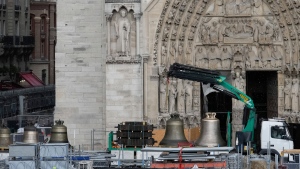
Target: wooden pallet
(4, 148)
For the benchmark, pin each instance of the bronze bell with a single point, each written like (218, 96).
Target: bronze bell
(59, 133)
(30, 135)
(174, 132)
(5, 140)
(210, 135)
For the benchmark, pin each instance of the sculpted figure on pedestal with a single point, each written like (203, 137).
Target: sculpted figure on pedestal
(276, 54)
(238, 59)
(287, 94)
(123, 33)
(213, 34)
(163, 95)
(180, 97)
(189, 50)
(295, 95)
(205, 34)
(188, 96)
(239, 83)
(214, 58)
(172, 96)
(226, 58)
(266, 56)
(201, 58)
(173, 49)
(180, 49)
(222, 29)
(164, 53)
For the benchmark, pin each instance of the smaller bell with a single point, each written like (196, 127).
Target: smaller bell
(30, 135)
(59, 133)
(210, 134)
(5, 140)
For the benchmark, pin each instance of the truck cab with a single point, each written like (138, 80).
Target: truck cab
(275, 132)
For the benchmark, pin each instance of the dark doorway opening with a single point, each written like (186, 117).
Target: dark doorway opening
(262, 87)
(294, 131)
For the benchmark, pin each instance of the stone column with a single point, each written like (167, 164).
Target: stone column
(137, 18)
(108, 21)
(145, 58)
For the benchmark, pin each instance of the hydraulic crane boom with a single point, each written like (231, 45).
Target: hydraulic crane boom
(215, 80)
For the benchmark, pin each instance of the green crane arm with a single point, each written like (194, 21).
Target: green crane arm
(214, 79)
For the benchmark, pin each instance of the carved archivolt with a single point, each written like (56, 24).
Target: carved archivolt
(235, 35)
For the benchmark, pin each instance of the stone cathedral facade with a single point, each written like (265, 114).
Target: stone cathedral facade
(111, 57)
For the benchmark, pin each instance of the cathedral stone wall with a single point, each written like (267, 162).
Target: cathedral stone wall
(111, 57)
(123, 94)
(80, 70)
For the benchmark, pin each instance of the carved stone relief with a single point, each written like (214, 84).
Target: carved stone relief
(122, 35)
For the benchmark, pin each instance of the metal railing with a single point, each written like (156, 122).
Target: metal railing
(34, 99)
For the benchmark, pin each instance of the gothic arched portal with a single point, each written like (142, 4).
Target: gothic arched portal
(235, 36)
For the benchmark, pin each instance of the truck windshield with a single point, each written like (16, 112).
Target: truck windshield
(280, 132)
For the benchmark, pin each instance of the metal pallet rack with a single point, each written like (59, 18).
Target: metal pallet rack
(54, 155)
(23, 156)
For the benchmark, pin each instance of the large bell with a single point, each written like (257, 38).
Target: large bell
(174, 132)
(5, 140)
(210, 135)
(30, 134)
(59, 133)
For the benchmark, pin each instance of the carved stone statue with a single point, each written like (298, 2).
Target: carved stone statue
(219, 7)
(188, 96)
(205, 34)
(226, 58)
(174, 32)
(222, 29)
(231, 8)
(123, 33)
(255, 59)
(214, 34)
(287, 94)
(295, 95)
(173, 49)
(172, 96)
(163, 95)
(239, 83)
(214, 58)
(164, 53)
(201, 58)
(189, 56)
(257, 10)
(238, 7)
(180, 97)
(276, 54)
(238, 58)
(265, 55)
